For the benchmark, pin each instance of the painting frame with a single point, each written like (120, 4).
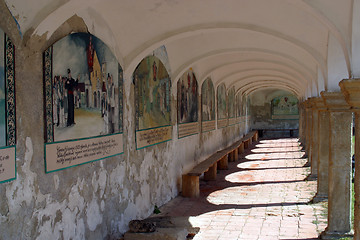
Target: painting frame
(99, 70)
(8, 169)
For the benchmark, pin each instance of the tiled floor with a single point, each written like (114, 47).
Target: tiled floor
(264, 195)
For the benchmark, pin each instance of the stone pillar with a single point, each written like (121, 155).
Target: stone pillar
(339, 196)
(351, 90)
(315, 135)
(308, 111)
(302, 124)
(323, 152)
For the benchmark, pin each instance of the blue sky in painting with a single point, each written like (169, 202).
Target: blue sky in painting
(70, 52)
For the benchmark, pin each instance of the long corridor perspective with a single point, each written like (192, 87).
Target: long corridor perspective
(264, 195)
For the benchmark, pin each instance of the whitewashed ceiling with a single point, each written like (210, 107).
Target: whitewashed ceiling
(249, 44)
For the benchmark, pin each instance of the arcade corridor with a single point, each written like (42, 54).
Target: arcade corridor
(264, 195)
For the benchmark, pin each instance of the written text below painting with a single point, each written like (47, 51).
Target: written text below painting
(83, 100)
(152, 93)
(285, 107)
(7, 109)
(207, 106)
(187, 105)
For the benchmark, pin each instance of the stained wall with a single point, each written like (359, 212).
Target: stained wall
(94, 200)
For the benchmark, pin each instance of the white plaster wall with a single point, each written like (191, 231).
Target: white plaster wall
(356, 40)
(336, 65)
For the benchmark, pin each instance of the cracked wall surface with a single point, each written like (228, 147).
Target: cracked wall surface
(94, 200)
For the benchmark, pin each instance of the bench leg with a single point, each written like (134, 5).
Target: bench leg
(190, 186)
(223, 163)
(241, 148)
(246, 144)
(231, 156)
(210, 174)
(236, 154)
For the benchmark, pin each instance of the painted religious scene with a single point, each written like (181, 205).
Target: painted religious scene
(285, 107)
(187, 105)
(238, 108)
(152, 93)
(221, 106)
(231, 106)
(207, 106)
(84, 94)
(7, 109)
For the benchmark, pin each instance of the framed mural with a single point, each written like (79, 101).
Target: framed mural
(231, 106)
(152, 102)
(187, 105)
(7, 109)
(238, 108)
(222, 106)
(207, 106)
(83, 84)
(285, 107)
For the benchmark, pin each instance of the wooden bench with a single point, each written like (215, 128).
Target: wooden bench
(209, 167)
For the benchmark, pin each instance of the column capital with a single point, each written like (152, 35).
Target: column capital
(309, 102)
(335, 101)
(319, 103)
(351, 90)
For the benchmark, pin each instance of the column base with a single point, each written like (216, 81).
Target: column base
(319, 198)
(311, 177)
(336, 235)
(307, 164)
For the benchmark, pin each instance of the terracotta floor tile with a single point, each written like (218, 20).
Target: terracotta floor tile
(261, 196)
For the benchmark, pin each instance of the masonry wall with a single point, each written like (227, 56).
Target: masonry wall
(261, 115)
(95, 200)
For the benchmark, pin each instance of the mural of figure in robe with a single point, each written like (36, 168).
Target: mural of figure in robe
(86, 88)
(187, 90)
(231, 103)
(208, 100)
(152, 83)
(221, 101)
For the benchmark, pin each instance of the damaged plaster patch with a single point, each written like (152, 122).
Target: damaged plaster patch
(22, 190)
(56, 182)
(93, 215)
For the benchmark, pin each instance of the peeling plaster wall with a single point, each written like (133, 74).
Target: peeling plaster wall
(95, 200)
(260, 110)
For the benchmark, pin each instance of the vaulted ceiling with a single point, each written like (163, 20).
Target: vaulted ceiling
(249, 44)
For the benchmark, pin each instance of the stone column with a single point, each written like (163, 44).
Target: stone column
(315, 135)
(302, 123)
(308, 130)
(323, 152)
(339, 196)
(351, 90)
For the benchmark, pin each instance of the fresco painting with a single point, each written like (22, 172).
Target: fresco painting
(244, 105)
(231, 106)
(207, 106)
(87, 87)
(187, 104)
(221, 101)
(83, 102)
(187, 93)
(152, 93)
(208, 100)
(285, 105)
(7, 109)
(238, 105)
(222, 115)
(2, 91)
